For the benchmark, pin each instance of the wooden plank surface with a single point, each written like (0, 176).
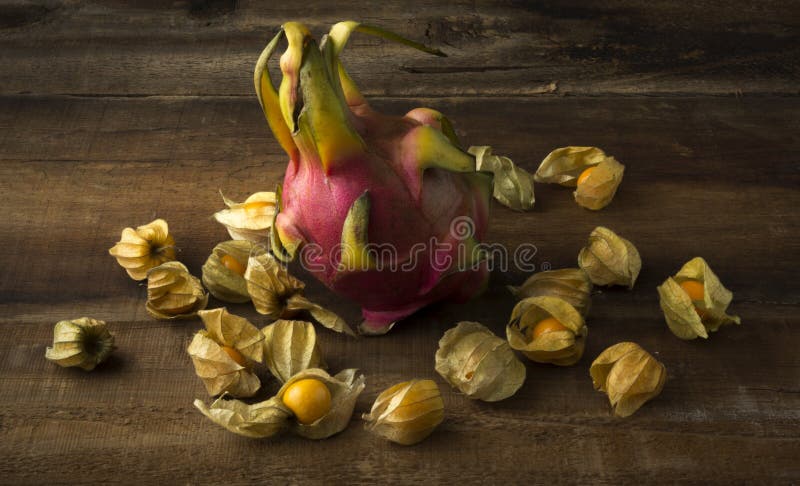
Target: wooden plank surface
(625, 47)
(706, 175)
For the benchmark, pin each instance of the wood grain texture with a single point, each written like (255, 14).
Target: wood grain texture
(75, 171)
(137, 110)
(495, 48)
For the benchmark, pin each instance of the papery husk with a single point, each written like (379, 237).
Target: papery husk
(277, 294)
(174, 293)
(83, 343)
(221, 373)
(513, 186)
(291, 347)
(248, 223)
(681, 312)
(345, 387)
(223, 283)
(256, 421)
(609, 259)
(563, 348)
(564, 165)
(570, 284)
(146, 247)
(478, 363)
(629, 375)
(234, 331)
(329, 319)
(218, 371)
(597, 190)
(270, 285)
(407, 413)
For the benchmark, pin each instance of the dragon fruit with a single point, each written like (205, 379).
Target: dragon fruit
(384, 210)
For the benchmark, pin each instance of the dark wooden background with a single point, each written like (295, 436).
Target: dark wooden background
(115, 112)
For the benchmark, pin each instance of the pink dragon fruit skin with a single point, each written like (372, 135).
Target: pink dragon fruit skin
(360, 182)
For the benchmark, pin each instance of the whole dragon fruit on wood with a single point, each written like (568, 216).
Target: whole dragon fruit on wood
(370, 201)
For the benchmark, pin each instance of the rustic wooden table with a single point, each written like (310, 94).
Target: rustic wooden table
(114, 113)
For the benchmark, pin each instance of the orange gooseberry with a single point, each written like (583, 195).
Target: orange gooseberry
(696, 291)
(255, 207)
(235, 355)
(550, 324)
(233, 264)
(584, 175)
(309, 399)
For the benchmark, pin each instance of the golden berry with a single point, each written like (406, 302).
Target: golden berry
(544, 326)
(254, 208)
(235, 355)
(585, 175)
(233, 264)
(694, 289)
(308, 399)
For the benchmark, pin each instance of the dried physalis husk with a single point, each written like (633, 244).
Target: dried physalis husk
(695, 302)
(251, 219)
(407, 413)
(83, 343)
(291, 347)
(257, 421)
(481, 365)
(223, 353)
(598, 184)
(277, 294)
(564, 165)
(595, 175)
(570, 284)
(513, 186)
(145, 247)
(223, 271)
(174, 293)
(343, 390)
(547, 330)
(629, 375)
(609, 259)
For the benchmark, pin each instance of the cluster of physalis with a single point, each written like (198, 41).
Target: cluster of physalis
(548, 323)
(237, 271)
(310, 402)
(548, 326)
